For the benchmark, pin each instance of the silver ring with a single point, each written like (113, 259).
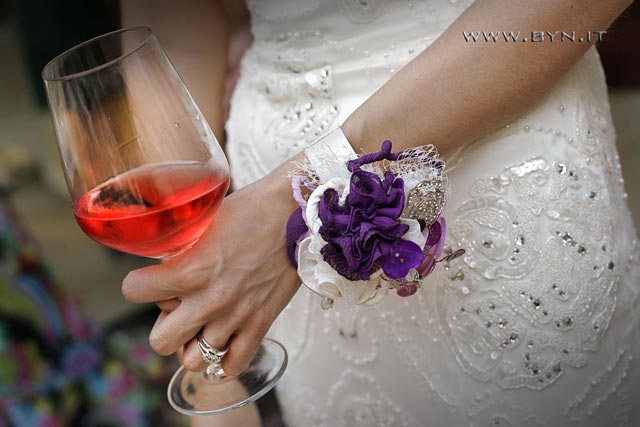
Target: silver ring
(210, 354)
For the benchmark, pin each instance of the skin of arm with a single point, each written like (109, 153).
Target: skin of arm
(481, 85)
(195, 35)
(237, 279)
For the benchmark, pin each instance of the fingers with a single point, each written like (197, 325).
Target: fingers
(169, 305)
(172, 330)
(243, 345)
(150, 284)
(176, 277)
(242, 348)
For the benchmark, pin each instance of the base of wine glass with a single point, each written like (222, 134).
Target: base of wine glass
(191, 393)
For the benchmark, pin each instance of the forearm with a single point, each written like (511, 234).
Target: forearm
(456, 91)
(195, 36)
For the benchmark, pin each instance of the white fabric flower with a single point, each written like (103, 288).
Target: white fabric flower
(322, 279)
(341, 185)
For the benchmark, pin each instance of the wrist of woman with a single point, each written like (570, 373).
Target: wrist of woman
(278, 187)
(353, 130)
(327, 158)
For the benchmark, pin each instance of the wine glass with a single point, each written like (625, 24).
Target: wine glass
(146, 176)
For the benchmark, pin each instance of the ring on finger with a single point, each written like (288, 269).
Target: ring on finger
(210, 354)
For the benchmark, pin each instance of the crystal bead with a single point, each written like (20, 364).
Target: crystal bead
(326, 303)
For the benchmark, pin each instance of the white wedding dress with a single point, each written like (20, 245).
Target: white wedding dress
(537, 325)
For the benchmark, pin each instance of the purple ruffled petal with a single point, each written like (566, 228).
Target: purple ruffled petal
(335, 255)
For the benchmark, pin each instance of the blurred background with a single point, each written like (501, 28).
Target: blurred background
(31, 33)
(34, 31)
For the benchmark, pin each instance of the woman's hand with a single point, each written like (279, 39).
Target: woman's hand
(233, 282)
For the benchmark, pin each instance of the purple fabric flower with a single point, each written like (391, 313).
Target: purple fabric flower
(384, 154)
(364, 233)
(296, 229)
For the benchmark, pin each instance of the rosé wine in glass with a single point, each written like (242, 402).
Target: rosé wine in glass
(139, 213)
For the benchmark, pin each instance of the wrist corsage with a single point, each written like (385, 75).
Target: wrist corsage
(375, 225)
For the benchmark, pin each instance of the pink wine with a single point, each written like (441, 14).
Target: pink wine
(156, 210)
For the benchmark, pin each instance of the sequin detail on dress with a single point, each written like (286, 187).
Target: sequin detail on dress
(540, 269)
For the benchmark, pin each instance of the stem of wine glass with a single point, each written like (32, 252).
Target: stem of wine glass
(214, 372)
